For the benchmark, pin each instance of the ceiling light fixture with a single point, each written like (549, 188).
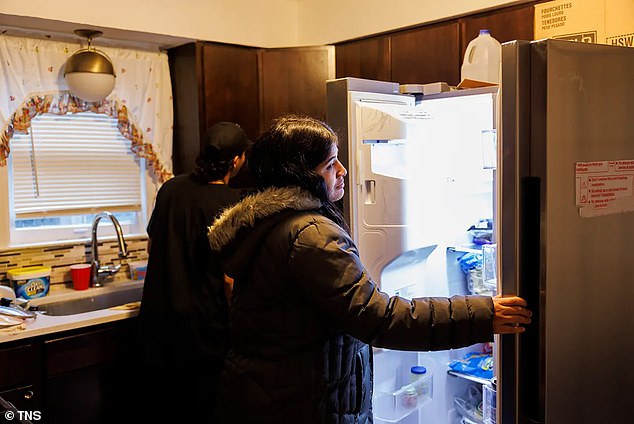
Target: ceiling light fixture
(89, 72)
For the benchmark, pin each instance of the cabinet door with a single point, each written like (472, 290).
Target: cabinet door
(368, 58)
(185, 71)
(24, 399)
(211, 82)
(230, 86)
(293, 80)
(20, 381)
(91, 376)
(427, 54)
(513, 23)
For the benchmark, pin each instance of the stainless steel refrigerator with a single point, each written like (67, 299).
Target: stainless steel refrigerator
(566, 224)
(549, 159)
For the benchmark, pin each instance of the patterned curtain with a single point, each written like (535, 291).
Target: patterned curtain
(32, 82)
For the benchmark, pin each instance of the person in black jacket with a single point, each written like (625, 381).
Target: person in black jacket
(304, 312)
(183, 314)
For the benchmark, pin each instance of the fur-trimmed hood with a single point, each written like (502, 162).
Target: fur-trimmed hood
(256, 207)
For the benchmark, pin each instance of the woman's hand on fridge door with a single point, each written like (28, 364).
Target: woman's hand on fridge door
(510, 315)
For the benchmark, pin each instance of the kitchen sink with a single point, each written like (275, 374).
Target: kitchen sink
(92, 302)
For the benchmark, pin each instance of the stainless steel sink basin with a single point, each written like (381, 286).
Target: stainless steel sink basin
(93, 302)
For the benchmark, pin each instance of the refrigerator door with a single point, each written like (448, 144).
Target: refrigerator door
(512, 173)
(419, 176)
(568, 137)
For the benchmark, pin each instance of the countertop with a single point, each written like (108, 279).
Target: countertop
(43, 324)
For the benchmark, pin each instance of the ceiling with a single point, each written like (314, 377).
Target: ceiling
(63, 31)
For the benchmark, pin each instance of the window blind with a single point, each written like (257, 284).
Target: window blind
(71, 164)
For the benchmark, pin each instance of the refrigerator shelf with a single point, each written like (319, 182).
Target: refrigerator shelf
(394, 407)
(463, 249)
(475, 379)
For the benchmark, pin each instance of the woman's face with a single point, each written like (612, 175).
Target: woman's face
(333, 172)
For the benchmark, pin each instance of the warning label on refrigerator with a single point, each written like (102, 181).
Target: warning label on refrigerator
(604, 187)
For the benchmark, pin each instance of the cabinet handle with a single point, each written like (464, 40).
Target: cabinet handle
(28, 394)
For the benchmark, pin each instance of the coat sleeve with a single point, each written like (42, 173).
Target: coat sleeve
(325, 263)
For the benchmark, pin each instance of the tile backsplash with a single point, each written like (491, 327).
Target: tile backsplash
(61, 257)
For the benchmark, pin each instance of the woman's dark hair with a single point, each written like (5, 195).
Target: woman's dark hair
(287, 154)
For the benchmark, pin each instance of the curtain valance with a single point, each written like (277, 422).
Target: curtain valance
(32, 82)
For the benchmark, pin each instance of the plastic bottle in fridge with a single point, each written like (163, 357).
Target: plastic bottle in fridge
(482, 59)
(421, 380)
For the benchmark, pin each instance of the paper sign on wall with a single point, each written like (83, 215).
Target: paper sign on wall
(590, 21)
(604, 187)
(573, 20)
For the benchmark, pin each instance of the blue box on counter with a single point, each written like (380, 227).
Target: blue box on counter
(30, 282)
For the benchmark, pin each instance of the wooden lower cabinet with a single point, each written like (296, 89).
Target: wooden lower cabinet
(92, 377)
(25, 399)
(101, 393)
(20, 377)
(81, 376)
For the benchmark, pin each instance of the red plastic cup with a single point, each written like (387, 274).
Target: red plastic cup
(81, 276)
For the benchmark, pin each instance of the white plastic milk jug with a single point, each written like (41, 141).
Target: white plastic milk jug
(482, 59)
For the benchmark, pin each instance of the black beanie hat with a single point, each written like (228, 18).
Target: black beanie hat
(225, 140)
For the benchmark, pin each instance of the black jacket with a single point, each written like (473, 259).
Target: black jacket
(183, 314)
(304, 313)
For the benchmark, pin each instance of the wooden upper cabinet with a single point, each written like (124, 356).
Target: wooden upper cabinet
(513, 23)
(185, 72)
(368, 58)
(293, 80)
(427, 54)
(230, 86)
(211, 82)
(214, 82)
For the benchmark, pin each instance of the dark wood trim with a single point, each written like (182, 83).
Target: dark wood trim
(263, 125)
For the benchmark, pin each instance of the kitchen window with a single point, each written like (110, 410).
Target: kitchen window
(67, 169)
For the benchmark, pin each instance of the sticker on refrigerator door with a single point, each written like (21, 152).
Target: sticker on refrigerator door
(604, 187)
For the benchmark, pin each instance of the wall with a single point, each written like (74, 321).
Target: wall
(246, 22)
(271, 23)
(60, 257)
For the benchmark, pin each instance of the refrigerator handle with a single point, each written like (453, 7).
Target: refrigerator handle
(370, 192)
(530, 288)
(519, 367)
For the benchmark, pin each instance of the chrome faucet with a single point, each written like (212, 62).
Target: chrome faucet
(98, 272)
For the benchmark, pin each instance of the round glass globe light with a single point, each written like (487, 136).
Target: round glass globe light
(90, 86)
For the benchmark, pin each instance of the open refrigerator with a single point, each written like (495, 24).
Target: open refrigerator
(536, 179)
(420, 202)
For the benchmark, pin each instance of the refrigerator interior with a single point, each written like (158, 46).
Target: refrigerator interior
(421, 176)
